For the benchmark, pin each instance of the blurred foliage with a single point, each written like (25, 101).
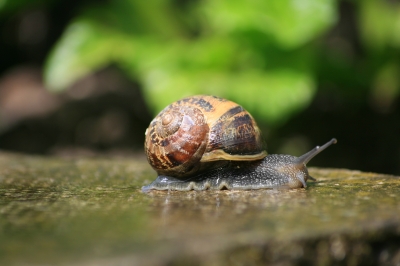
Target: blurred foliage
(268, 55)
(259, 53)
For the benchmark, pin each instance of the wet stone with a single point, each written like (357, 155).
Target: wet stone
(92, 212)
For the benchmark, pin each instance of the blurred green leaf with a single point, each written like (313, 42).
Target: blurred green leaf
(250, 52)
(273, 95)
(221, 67)
(290, 23)
(84, 47)
(380, 24)
(156, 17)
(210, 53)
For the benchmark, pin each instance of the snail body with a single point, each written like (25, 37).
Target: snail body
(205, 142)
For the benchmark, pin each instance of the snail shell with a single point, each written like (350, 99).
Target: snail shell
(190, 135)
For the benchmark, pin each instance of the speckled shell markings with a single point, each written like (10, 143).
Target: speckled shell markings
(176, 139)
(201, 128)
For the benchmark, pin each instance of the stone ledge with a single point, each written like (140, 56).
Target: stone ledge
(91, 212)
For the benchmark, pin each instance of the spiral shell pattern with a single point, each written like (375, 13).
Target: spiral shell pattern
(176, 139)
(200, 129)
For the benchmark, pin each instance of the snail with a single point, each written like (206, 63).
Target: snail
(206, 142)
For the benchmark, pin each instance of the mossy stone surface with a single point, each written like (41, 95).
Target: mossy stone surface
(92, 212)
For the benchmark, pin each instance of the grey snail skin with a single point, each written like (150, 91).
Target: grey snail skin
(206, 142)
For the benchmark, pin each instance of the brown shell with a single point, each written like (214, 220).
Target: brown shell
(194, 131)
